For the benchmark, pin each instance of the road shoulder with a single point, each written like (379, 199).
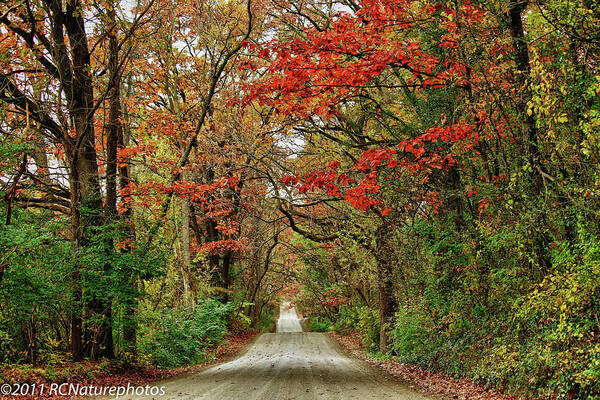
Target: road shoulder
(415, 377)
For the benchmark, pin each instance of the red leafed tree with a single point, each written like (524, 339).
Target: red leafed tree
(316, 73)
(204, 150)
(371, 59)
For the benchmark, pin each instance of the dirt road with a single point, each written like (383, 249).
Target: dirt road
(288, 365)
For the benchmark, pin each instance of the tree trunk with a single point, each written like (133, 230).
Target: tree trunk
(258, 283)
(186, 265)
(523, 75)
(76, 315)
(384, 254)
(114, 126)
(66, 43)
(104, 344)
(516, 9)
(129, 318)
(87, 203)
(225, 275)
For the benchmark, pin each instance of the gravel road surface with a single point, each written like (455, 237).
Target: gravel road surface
(289, 364)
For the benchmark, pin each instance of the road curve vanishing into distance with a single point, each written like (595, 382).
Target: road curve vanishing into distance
(289, 364)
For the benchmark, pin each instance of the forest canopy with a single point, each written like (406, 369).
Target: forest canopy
(423, 173)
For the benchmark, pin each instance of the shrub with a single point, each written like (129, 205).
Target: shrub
(267, 322)
(180, 337)
(347, 320)
(319, 324)
(411, 340)
(368, 327)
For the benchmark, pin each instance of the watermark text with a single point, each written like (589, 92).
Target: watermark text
(76, 389)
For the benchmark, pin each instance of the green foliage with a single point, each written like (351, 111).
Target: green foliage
(52, 355)
(492, 314)
(6, 345)
(347, 318)
(412, 340)
(320, 324)
(13, 149)
(36, 294)
(368, 326)
(267, 320)
(563, 309)
(35, 291)
(172, 338)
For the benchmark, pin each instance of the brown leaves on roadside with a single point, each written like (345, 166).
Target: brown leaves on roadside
(420, 378)
(105, 374)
